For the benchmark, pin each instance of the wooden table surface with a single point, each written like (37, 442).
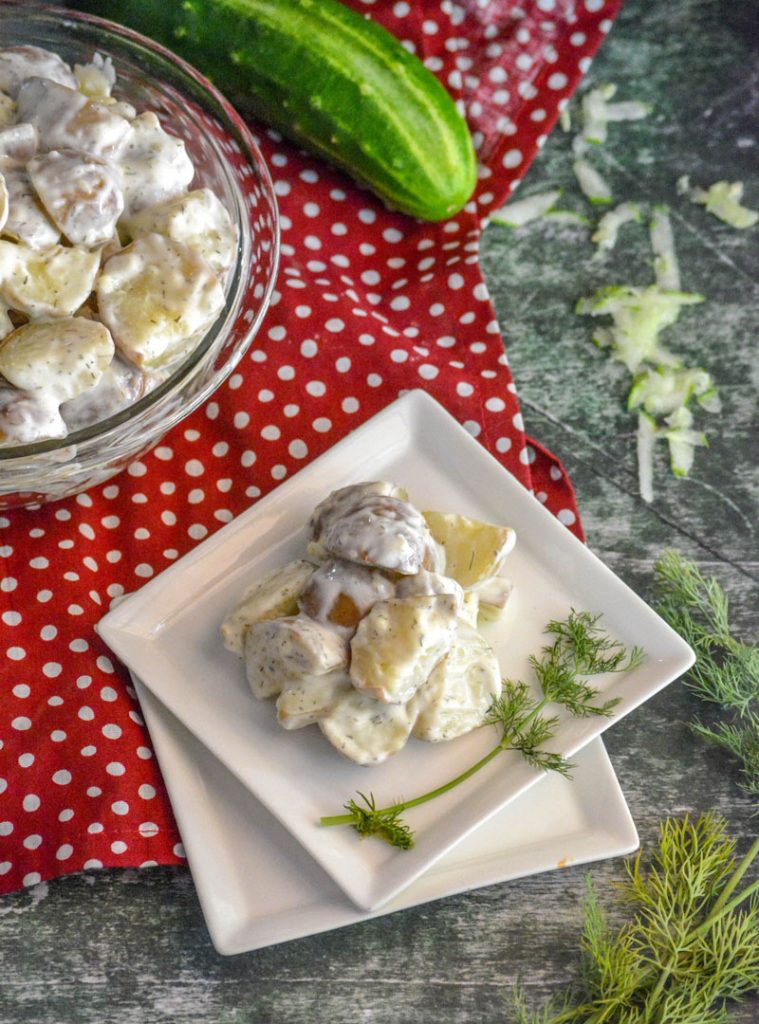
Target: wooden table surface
(132, 947)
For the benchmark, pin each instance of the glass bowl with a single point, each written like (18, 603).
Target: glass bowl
(226, 160)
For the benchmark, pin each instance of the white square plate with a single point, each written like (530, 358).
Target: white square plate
(168, 634)
(286, 895)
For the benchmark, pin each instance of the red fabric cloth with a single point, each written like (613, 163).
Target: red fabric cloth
(369, 303)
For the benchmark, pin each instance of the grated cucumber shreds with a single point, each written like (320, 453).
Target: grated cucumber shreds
(605, 235)
(638, 315)
(661, 390)
(592, 183)
(723, 199)
(597, 113)
(523, 211)
(666, 267)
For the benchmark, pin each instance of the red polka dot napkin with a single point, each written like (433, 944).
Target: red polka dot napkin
(369, 303)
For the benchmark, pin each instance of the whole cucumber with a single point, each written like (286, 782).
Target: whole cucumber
(333, 80)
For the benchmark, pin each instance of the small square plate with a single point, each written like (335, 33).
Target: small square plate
(560, 823)
(168, 634)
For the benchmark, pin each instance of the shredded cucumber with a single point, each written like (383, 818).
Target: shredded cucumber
(515, 214)
(666, 267)
(605, 235)
(662, 390)
(591, 182)
(639, 314)
(723, 199)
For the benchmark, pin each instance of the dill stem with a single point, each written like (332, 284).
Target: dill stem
(347, 819)
(723, 905)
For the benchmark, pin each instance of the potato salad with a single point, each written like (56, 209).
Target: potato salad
(111, 265)
(374, 634)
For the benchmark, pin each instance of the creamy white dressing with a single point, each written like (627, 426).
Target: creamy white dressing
(74, 162)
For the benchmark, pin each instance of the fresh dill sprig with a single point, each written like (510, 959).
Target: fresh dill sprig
(581, 648)
(691, 945)
(726, 672)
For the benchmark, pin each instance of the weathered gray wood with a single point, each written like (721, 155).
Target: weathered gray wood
(132, 947)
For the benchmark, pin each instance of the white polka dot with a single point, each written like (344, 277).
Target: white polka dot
(528, 455)
(350, 405)
(335, 325)
(64, 851)
(120, 807)
(6, 827)
(26, 760)
(298, 449)
(52, 669)
(21, 690)
(495, 405)
(111, 731)
(578, 38)
(85, 713)
(88, 751)
(31, 802)
(512, 158)
(455, 281)
(518, 421)
(465, 389)
(558, 79)
(472, 427)
(16, 653)
(194, 467)
(392, 235)
(21, 724)
(119, 846)
(33, 878)
(57, 735)
(62, 777)
(316, 388)
(343, 364)
(33, 842)
(566, 516)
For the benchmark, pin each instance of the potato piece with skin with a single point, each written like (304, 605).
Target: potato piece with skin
(81, 193)
(18, 144)
(459, 691)
(154, 165)
(473, 550)
(156, 296)
(121, 385)
(66, 119)
(273, 597)
(27, 221)
(198, 219)
(46, 283)
(17, 63)
(365, 730)
(380, 531)
(340, 593)
(279, 651)
(25, 418)
(61, 358)
(304, 702)
(399, 642)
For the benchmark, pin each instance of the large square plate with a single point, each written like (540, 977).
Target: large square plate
(560, 823)
(168, 634)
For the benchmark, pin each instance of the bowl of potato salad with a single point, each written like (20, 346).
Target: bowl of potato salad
(139, 243)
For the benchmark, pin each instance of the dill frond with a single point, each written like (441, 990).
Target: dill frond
(726, 672)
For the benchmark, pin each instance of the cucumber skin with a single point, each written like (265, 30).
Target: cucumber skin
(336, 82)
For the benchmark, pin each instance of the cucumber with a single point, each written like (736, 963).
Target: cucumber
(333, 80)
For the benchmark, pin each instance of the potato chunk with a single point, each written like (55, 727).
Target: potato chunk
(27, 221)
(273, 597)
(154, 165)
(156, 296)
(399, 642)
(25, 418)
(66, 119)
(473, 550)
(17, 63)
(81, 194)
(304, 702)
(366, 730)
(280, 651)
(198, 219)
(46, 283)
(340, 593)
(62, 358)
(460, 689)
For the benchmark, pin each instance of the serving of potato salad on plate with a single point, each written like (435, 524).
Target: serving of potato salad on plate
(111, 269)
(374, 635)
